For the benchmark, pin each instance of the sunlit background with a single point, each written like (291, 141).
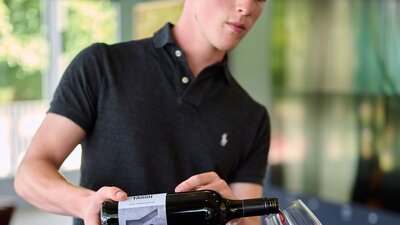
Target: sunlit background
(38, 38)
(335, 70)
(327, 70)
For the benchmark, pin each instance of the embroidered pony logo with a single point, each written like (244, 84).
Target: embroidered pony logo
(224, 140)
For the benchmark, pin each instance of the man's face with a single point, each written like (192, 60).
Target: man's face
(223, 23)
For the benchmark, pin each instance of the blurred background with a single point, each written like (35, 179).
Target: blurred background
(327, 70)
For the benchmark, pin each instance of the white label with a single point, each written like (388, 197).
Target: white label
(143, 209)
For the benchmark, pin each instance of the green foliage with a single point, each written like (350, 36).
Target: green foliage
(24, 48)
(88, 22)
(278, 41)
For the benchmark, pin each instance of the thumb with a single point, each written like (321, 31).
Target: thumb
(113, 193)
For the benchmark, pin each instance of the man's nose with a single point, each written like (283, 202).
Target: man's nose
(244, 7)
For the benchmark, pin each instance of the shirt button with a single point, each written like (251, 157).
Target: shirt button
(185, 80)
(178, 53)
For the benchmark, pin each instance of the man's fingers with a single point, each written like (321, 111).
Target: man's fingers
(198, 182)
(192, 183)
(203, 181)
(113, 193)
(121, 196)
(91, 215)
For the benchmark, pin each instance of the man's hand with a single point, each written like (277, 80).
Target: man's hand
(212, 181)
(91, 214)
(203, 181)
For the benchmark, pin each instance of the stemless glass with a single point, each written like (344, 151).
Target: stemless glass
(296, 214)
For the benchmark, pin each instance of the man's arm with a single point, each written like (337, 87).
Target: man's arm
(39, 182)
(248, 190)
(212, 181)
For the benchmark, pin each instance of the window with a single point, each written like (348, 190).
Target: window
(38, 38)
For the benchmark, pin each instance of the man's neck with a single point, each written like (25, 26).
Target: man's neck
(198, 51)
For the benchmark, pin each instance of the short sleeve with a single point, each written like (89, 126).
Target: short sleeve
(253, 165)
(76, 94)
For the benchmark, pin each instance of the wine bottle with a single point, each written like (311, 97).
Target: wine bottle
(203, 207)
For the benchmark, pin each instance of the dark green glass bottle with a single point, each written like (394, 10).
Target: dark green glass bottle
(200, 208)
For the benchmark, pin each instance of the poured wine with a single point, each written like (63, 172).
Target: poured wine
(196, 208)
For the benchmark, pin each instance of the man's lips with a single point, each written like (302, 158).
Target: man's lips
(237, 27)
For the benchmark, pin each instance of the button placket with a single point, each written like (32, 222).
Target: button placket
(185, 80)
(178, 53)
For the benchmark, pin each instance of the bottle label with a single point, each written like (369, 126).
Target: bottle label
(143, 209)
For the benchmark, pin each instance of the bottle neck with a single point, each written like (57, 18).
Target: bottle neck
(251, 207)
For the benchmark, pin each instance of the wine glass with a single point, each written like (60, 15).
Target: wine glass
(296, 214)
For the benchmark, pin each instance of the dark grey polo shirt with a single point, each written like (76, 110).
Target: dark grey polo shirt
(150, 124)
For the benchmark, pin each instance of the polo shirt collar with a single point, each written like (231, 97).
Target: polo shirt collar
(163, 37)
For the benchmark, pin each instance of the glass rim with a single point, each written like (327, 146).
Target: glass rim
(305, 207)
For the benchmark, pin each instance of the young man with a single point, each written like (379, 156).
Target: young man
(156, 115)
